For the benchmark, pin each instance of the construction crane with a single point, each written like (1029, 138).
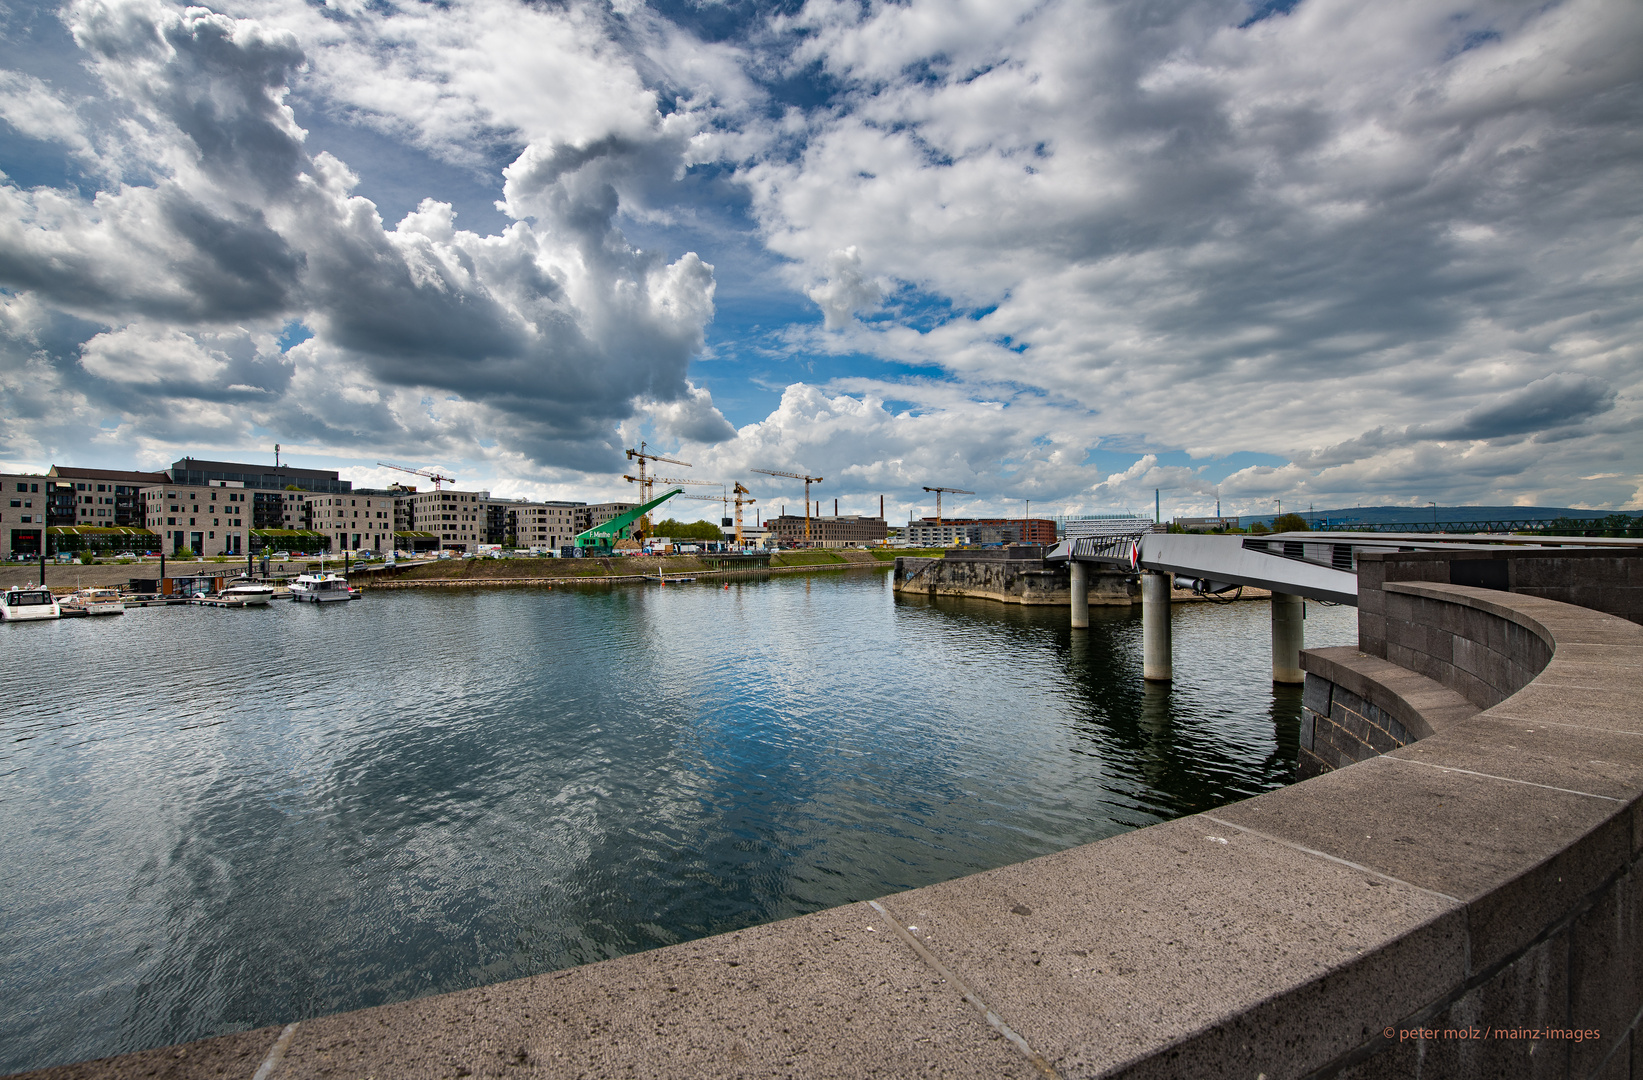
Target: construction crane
(739, 491)
(646, 482)
(808, 480)
(724, 499)
(437, 477)
(950, 491)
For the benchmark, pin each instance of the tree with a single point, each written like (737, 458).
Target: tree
(1291, 523)
(682, 530)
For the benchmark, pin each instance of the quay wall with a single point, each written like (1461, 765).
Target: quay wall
(1467, 904)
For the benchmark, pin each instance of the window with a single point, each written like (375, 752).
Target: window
(17, 502)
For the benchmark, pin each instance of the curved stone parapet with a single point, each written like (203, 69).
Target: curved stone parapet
(1465, 905)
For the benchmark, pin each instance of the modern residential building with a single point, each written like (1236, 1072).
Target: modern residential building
(1037, 530)
(927, 534)
(549, 525)
(843, 531)
(98, 497)
(458, 520)
(211, 519)
(23, 512)
(599, 513)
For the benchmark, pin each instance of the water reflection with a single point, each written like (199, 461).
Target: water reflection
(283, 813)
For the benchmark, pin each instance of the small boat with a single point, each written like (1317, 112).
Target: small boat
(94, 601)
(248, 592)
(320, 588)
(28, 604)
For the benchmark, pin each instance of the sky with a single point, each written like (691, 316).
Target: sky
(1058, 254)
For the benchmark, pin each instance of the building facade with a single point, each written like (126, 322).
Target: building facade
(832, 532)
(1005, 530)
(101, 498)
(544, 525)
(23, 512)
(458, 520)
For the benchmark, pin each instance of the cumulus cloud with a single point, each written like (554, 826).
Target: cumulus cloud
(1059, 251)
(549, 330)
(1217, 236)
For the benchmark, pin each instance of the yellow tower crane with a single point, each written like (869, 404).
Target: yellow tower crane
(808, 480)
(950, 491)
(647, 483)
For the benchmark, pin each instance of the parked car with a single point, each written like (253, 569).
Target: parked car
(281, 555)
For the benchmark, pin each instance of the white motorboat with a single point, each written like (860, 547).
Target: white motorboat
(95, 601)
(246, 591)
(320, 588)
(28, 604)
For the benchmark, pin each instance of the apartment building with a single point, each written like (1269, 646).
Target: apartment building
(100, 498)
(209, 519)
(549, 525)
(1028, 530)
(599, 513)
(23, 512)
(458, 520)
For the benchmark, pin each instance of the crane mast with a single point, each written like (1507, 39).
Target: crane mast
(646, 482)
(808, 480)
(950, 491)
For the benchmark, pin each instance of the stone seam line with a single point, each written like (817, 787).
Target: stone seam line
(965, 991)
(276, 1053)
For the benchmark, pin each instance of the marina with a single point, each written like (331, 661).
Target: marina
(443, 788)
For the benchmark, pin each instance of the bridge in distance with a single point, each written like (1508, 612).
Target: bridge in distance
(1294, 567)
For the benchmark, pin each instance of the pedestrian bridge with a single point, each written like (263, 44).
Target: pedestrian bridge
(1294, 567)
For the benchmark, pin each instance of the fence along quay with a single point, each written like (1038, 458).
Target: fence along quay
(1464, 903)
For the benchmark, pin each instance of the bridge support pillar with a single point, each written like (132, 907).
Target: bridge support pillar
(1288, 637)
(1080, 588)
(1156, 662)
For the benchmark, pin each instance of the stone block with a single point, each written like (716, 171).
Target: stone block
(1370, 600)
(1594, 761)
(1529, 994)
(1237, 954)
(1343, 698)
(1372, 633)
(1309, 764)
(1606, 971)
(1518, 856)
(1381, 741)
(821, 995)
(1308, 720)
(1317, 694)
(1542, 701)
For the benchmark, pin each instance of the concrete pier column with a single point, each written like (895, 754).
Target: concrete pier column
(1080, 588)
(1156, 664)
(1288, 638)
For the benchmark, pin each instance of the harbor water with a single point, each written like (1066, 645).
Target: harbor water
(220, 819)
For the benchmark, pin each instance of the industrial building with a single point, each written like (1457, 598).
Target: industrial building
(837, 531)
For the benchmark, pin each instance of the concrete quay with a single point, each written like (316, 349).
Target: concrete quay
(1012, 578)
(1467, 904)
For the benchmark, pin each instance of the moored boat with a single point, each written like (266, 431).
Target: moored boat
(95, 601)
(248, 592)
(28, 604)
(320, 588)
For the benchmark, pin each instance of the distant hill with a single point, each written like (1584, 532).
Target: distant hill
(1387, 515)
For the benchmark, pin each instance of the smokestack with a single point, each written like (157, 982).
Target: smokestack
(835, 508)
(881, 507)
